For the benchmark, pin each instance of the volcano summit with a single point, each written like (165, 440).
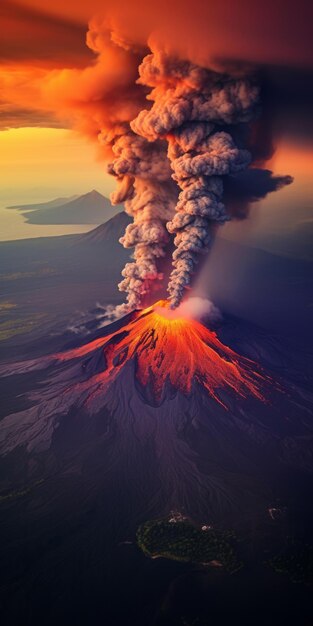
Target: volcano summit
(168, 350)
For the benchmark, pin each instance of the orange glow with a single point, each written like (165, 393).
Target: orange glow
(50, 77)
(175, 350)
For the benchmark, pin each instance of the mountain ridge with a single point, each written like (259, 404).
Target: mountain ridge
(89, 208)
(115, 227)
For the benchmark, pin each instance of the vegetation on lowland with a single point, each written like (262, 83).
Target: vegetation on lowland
(295, 561)
(42, 272)
(181, 540)
(19, 493)
(6, 305)
(18, 326)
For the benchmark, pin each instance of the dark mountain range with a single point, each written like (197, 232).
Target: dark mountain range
(209, 423)
(141, 418)
(90, 208)
(295, 243)
(104, 428)
(43, 205)
(110, 231)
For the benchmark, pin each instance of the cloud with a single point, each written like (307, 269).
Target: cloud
(273, 37)
(248, 30)
(199, 68)
(250, 186)
(150, 197)
(31, 36)
(20, 117)
(33, 46)
(194, 308)
(192, 107)
(92, 99)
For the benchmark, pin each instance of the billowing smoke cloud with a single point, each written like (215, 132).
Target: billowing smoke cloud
(179, 152)
(172, 155)
(144, 185)
(250, 186)
(192, 107)
(194, 308)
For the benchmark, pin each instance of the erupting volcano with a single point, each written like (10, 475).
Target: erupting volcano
(173, 401)
(169, 349)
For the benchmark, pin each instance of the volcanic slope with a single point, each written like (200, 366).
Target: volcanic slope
(210, 432)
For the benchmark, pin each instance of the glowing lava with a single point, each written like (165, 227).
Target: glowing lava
(169, 349)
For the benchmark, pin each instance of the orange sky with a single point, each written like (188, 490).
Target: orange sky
(49, 78)
(38, 164)
(39, 40)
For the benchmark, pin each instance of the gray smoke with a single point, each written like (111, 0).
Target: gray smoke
(192, 108)
(143, 173)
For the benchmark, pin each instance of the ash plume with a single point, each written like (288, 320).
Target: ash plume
(144, 181)
(194, 109)
(180, 151)
(250, 186)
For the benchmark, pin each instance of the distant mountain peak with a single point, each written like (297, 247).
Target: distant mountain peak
(93, 194)
(111, 230)
(89, 208)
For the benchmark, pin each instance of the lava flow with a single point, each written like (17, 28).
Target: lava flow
(170, 349)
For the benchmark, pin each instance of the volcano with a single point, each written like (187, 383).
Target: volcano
(168, 351)
(205, 429)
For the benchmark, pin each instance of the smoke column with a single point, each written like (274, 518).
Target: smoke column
(144, 185)
(187, 141)
(194, 109)
(171, 155)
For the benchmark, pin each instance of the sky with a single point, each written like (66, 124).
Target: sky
(55, 88)
(39, 164)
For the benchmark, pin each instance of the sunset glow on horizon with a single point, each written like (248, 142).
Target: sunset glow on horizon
(65, 83)
(156, 225)
(40, 164)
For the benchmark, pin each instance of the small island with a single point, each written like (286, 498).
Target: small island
(295, 561)
(179, 539)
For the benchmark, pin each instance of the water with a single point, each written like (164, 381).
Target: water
(13, 226)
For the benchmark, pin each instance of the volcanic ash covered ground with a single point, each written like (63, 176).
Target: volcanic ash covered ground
(205, 425)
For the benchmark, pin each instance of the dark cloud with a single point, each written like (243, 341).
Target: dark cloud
(30, 35)
(20, 117)
(250, 186)
(287, 103)
(266, 33)
(202, 79)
